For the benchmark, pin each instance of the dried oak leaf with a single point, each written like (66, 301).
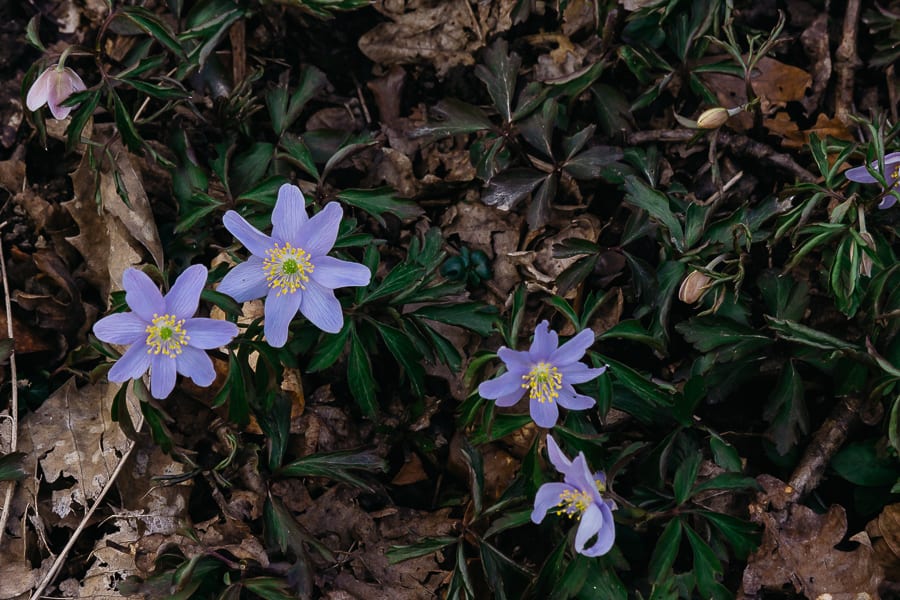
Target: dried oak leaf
(72, 435)
(445, 35)
(884, 531)
(363, 538)
(106, 240)
(798, 548)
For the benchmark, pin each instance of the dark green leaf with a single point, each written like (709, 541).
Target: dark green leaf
(539, 209)
(666, 550)
(861, 463)
(726, 481)
(657, 206)
(125, 125)
(282, 531)
(397, 554)
(80, 117)
(329, 350)
(360, 378)
(685, 476)
(743, 536)
(12, 466)
(786, 410)
(455, 117)
(473, 316)
(154, 26)
(379, 201)
(499, 74)
(339, 466)
(508, 188)
(590, 163)
(405, 353)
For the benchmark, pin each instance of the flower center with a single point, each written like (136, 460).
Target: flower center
(543, 382)
(895, 176)
(287, 268)
(573, 502)
(166, 336)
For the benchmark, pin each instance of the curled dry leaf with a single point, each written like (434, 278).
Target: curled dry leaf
(446, 35)
(798, 549)
(106, 240)
(884, 532)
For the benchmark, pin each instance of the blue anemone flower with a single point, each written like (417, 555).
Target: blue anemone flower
(547, 371)
(292, 268)
(891, 176)
(162, 333)
(580, 497)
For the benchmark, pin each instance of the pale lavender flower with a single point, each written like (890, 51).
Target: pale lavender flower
(162, 332)
(292, 268)
(580, 497)
(547, 372)
(891, 176)
(52, 87)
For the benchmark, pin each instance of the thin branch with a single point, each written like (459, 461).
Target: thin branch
(846, 62)
(14, 400)
(824, 445)
(734, 142)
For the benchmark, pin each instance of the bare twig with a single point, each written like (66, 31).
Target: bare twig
(824, 445)
(846, 62)
(14, 396)
(736, 143)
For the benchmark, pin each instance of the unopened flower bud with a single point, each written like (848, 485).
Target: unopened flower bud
(713, 118)
(694, 287)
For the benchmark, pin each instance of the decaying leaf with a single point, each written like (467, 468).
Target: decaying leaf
(884, 531)
(445, 35)
(74, 438)
(493, 232)
(798, 549)
(110, 235)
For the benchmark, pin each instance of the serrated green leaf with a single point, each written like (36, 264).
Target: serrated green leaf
(455, 117)
(151, 24)
(339, 466)
(657, 206)
(666, 550)
(360, 378)
(685, 476)
(405, 353)
(499, 74)
(398, 554)
(473, 316)
(378, 201)
(508, 188)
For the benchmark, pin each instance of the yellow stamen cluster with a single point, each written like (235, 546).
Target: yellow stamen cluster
(543, 382)
(166, 336)
(573, 502)
(895, 174)
(287, 268)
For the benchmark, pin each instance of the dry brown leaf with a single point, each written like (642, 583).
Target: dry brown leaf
(776, 84)
(494, 232)
(884, 531)
(336, 519)
(792, 137)
(73, 434)
(445, 35)
(798, 549)
(106, 240)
